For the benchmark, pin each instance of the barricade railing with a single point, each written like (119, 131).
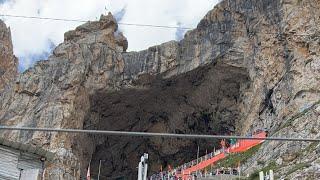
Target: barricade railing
(186, 169)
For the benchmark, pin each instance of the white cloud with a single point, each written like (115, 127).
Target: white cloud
(31, 36)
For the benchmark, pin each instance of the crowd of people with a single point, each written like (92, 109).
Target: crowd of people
(226, 145)
(172, 176)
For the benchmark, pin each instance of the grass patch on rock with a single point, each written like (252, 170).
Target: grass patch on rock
(311, 147)
(298, 167)
(296, 116)
(233, 159)
(271, 166)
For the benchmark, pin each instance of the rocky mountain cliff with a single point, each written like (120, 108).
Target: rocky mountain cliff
(248, 65)
(8, 62)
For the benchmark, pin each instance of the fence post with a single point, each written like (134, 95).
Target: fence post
(271, 175)
(261, 176)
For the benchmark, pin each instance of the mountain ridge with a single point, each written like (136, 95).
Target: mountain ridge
(243, 68)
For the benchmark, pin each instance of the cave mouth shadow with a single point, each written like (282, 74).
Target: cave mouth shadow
(203, 101)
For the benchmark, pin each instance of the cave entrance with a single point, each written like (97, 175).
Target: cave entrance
(203, 101)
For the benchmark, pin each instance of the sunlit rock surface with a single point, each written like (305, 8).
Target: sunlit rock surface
(248, 65)
(8, 62)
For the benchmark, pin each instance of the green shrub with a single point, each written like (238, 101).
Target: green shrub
(271, 166)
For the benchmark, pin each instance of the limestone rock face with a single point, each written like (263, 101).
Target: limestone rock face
(248, 65)
(55, 93)
(8, 62)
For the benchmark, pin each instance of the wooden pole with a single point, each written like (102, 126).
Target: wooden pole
(198, 158)
(99, 170)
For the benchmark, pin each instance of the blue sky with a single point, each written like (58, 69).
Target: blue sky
(34, 40)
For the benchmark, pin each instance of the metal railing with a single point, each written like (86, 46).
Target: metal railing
(171, 174)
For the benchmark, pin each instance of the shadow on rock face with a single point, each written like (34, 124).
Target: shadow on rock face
(202, 101)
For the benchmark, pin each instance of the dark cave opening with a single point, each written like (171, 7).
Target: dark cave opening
(202, 101)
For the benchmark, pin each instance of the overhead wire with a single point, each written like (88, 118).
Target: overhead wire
(138, 25)
(154, 134)
(80, 20)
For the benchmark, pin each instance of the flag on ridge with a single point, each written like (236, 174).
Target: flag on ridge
(88, 173)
